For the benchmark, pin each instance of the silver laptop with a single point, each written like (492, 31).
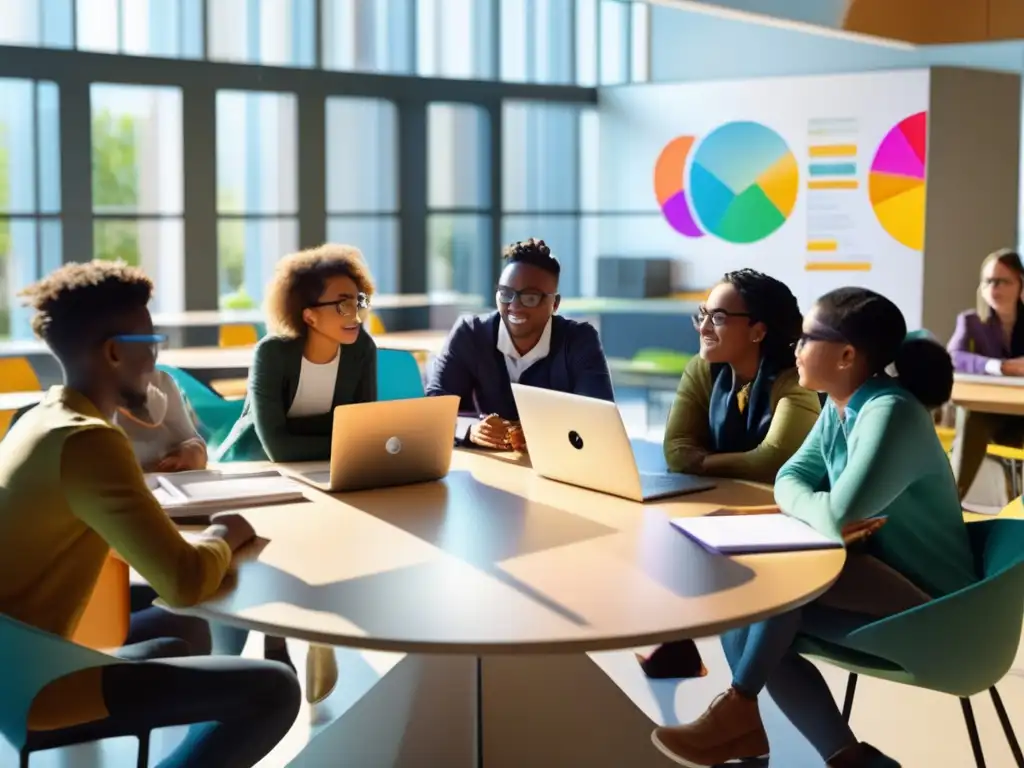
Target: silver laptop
(391, 442)
(582, 441)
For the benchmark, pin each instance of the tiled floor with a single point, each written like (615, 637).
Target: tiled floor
(921, 729)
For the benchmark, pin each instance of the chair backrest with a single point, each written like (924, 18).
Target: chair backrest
(398, 375)
(238, 335)
(216, 415)
(938, 642)
(104, 624)
(30, 659)
(18, 375)
(375, 325)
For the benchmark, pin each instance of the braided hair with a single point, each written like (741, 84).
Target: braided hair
(534, 252)
(770, 301)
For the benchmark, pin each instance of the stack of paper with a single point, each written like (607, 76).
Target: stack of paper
(192, 494)
(749, 534)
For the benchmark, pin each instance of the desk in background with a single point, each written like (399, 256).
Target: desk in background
(497, 583)
(989, 394)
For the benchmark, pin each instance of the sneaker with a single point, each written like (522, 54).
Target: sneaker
(862, 756)
(730, 729)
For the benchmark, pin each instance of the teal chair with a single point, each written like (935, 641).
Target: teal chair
(398, 375)
(961, 644)
(216, 415)
(31, 659)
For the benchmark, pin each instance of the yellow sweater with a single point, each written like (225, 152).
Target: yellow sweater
(70, 489)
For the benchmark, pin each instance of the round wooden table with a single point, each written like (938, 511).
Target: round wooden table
(495, 561)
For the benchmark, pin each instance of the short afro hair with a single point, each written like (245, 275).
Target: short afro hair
(81, 303)
(299, 280)
(534, 252)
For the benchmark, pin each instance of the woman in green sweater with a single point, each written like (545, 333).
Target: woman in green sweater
(873, 458)
(739, 411)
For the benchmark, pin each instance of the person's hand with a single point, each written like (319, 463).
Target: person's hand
(491, 432)
(861, 530)
(186, 457)
(1013, 367)
(761, 509)
(517, 438)
(233, 528)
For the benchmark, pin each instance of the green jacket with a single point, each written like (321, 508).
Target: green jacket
(265, 431)
(688, 431)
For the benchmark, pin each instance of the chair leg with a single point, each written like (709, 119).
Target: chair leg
(1004, 720)
(23, 762)
(851, 689)
(143, 761)
(972, 731)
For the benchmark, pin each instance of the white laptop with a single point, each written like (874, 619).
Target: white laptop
(391, 442)
(582, 441)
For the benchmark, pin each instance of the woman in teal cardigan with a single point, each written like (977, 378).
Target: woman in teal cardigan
(319, 357)
(872, 473)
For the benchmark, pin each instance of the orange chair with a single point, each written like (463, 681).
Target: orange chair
(374, 325)
(105, 621)
(244, 335)
(18, 375)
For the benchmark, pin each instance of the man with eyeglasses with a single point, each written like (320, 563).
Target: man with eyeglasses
(525, 342)
(71, 490)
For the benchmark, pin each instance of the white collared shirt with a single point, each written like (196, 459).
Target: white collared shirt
(515, 363)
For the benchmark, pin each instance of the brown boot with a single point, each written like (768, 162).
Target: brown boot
(730, 729)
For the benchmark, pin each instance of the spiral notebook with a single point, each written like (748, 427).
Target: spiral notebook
(194, 494)
(751, 534)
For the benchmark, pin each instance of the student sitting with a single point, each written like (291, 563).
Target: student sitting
(72, 490)
(739, 411)
(989, 341)
(872, 458)
(523, 342)
(319, 357)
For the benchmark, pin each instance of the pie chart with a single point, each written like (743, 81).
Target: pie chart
(743, 182)
(896, 182)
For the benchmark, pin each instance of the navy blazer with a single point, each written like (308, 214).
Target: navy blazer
(472, 367)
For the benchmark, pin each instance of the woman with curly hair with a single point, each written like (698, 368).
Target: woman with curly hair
(317, 357)
(740, 410)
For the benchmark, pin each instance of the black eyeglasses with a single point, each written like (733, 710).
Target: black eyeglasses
(347, 305)
(995, 282)
(528, 298)
(153, 340)
(821, 334)
(719, 317)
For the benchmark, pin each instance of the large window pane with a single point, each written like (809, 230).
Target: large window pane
(98, 23)
(615, 38)
(454, 38)
(369, 35)
(140, 27)
(458, 156)
(29, 248)
(362, 156)
(640, 43)
(273, 32)
(537, 41)
(257, 153)
(458, 251)
(540, 157)
(377, 238)
(17, 147)
(562, 236)
(586, 42)
(136, 149)
(247, 250)
(155, 245)
(36, 22)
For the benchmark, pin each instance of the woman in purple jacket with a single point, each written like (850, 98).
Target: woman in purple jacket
(989, 341)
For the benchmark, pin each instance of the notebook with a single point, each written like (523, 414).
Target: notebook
(192, 494)
(750, 534)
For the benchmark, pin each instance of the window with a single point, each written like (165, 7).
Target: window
(137, 184)
(169, 28)
(537, 41)
(542, 176)
(273, 32)
(615, 39)
(369, 35)
(30, 227)
(586, 42)
(36, 23)
(640, 43)
(458, 199)
(362, 182)
(257, 199)
(455, 38)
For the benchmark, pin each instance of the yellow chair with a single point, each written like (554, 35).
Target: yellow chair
(374, 325)
(104, 624)
(1014, 511)
(6, 417)
(946, 435)
(238, 335)
(18, 375)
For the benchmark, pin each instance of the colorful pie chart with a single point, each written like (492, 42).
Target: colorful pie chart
(669, 177)
(896, 182)
(743, 182)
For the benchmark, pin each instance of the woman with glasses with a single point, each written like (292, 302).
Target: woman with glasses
(989, 341)
(873, 474)
(317, 357)
(739, 410)
(524, 341)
